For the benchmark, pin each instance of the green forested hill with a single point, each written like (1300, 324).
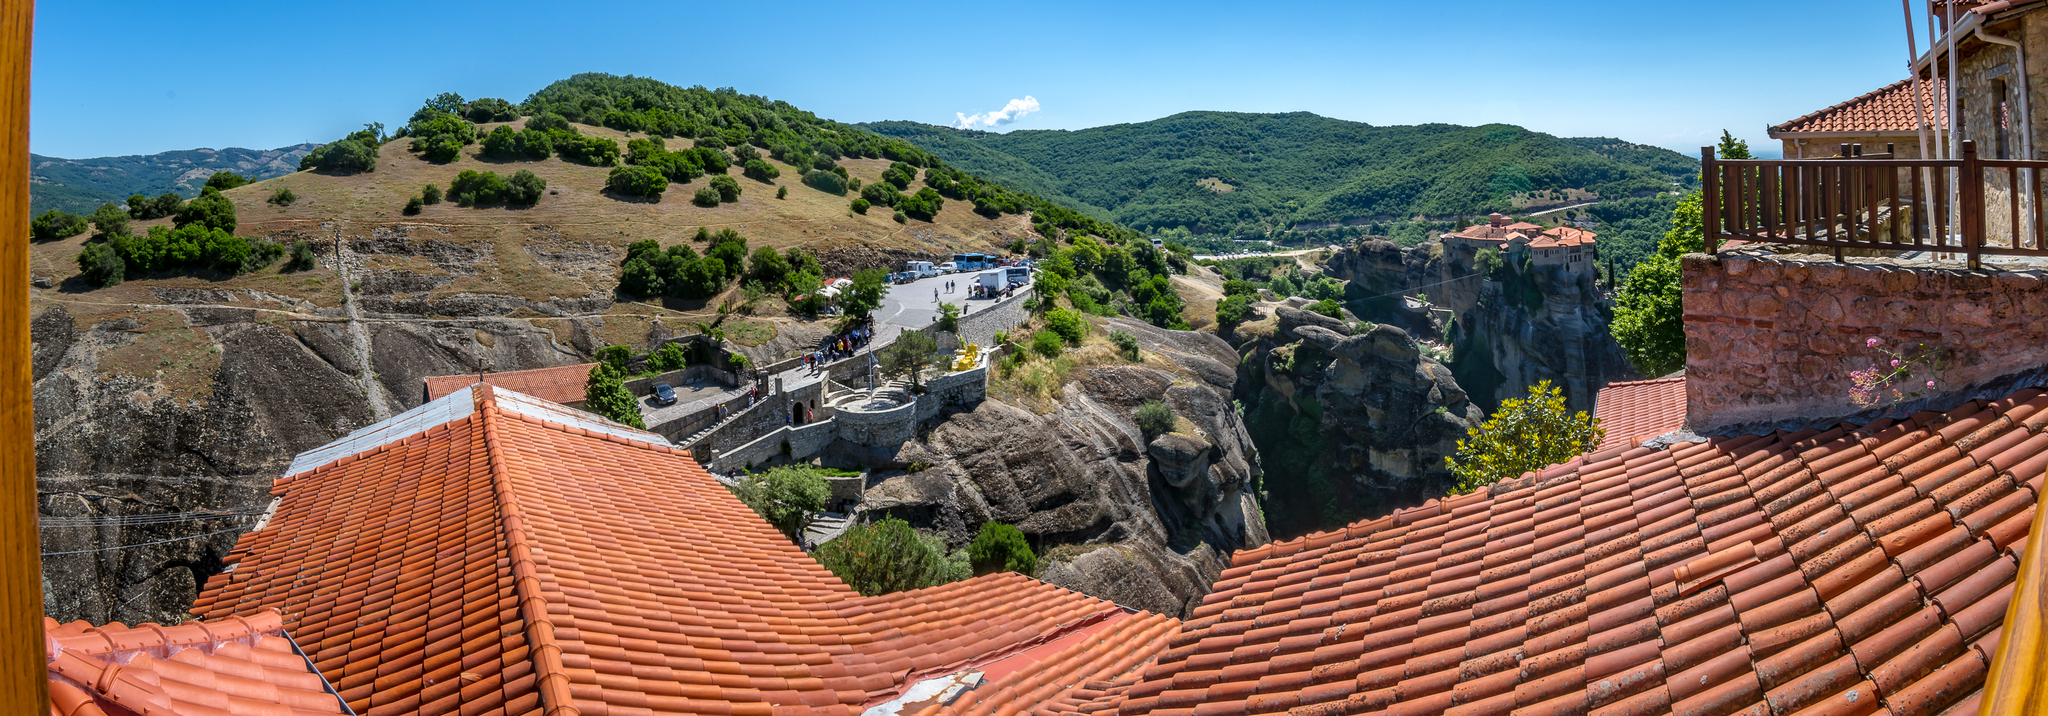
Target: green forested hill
(1250, 175)
(79, 185)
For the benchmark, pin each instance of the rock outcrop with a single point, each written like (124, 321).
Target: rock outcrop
(1148, 523)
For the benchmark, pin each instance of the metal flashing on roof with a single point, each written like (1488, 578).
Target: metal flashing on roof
(449, 408)
(538, 409)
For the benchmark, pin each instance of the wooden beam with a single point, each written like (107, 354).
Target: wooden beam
(2018, 682)
(24, 670)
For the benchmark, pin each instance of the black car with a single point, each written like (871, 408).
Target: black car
(664, 395)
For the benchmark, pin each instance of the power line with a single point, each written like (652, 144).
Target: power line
(151, 519)
(145, 544)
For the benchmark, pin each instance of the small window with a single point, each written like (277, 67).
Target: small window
(2001, 118)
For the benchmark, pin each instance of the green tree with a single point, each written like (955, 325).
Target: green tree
(768, 266)
(353, 154)
(865, 295)
(636, 181)
(101, 264)
(284, 196)
(472, 187)
(860, 206)
(1046, 343)
(413, 206)
(883, 558)
(1327, 307)
(615, 356)
(1524, 434)
(605, 394)
(490, 109)
(546, 121)
(525, 188)
(431, 194)
(1649, 310)
(910, 355)
(671, 356)
(729, 248)
(728, 187)
(761, 171)
(639, 277)
(210, 209)
(1000, 547)
(1155, 418)
(110, 219)
(949, 318)
(787, 497)
(144, 208)
(1069, 325)
(224, 181)
(440, 136)
(1233, 310)
(706, 196)
(825, 181)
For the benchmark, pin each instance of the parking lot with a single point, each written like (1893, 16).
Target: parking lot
(911, 305)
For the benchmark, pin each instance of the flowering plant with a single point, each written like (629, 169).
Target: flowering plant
(1903, 375)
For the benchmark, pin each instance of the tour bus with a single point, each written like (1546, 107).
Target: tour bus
(973, 262)
(1016, 275)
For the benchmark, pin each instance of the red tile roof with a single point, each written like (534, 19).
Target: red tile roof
(233, 665)
(560, 384)
(508, 562)
(1847, 571)
(1571, 236)
(1641, 409)
(1886, 109)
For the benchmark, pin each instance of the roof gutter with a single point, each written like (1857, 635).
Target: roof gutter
(2026, 121)
(1971, 20)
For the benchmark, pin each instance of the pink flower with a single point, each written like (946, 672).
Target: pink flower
(1895, 362)
(1930, 384)
(1872, 342)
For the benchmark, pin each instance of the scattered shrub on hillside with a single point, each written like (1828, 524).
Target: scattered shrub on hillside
(828, 182)
(1126, 343)
(546, 121)
(525, 188)
(471, 188)
(710, 142)
(505, 144)
(679, 167)
(301, 257)
(706, 196)
(882, 194)
(604, 393)
(1327, 307)
(761, 171)
(145, 208)
(714, 161)
(413, 206)
(745, 153)
(193, 246)
(884, 558)
(1524, 434)
(786, 497)
(1068, 324)
(1233, 310)
(431, 193)
(900, 174)
(923, 205)
(490, 109)
(353, 154)
(638, 151)
(210, 209)
(101, 264)
(1155, 418)
(860, 206)
(1001, 548)
(224, 181)
(671, 356)
(636, 181)
(284, 196)
(768, 266)
(595, 151)
(109, 219)
(1235, 287)
(782, 192)
(1046, 343)
(900, 218)
(728, 187)
(439, 136)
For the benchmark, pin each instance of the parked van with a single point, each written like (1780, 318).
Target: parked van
(949, 267)
(990, 280)
(923, 269)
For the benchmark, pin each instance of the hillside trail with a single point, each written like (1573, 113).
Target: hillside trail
(359, 336)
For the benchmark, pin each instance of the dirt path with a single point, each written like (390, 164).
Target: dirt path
(359, 336)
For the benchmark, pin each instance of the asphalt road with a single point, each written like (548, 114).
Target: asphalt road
(911, 305)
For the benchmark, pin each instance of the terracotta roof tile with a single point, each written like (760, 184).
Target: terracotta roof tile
(510, 561)
(232, 665)
(1854, 570)
(1640, 409)
(560, 384)
(1886, 109)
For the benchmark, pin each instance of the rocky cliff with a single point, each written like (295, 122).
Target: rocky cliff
(1353, 417)
(1149, 524)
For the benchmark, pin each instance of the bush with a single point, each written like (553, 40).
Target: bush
(671, 356)
(353, 154)
(101, 264)
(110, 219)
(302, 257)
(706, 196)
(1155, 418)
(546, 121)
(1524, 434)
(882, 194)
(1233, 310)
(949, 318)
(924, 205)
(604, 393)
(210, 210)
(224, 181)
(761, 171)
(768, 266)
(899, 218)
(525, 188)
(782, 192)
(55, 224)
(912, 352)
(413, 206)
(860, 205)
(1068, 324)
(472, 187)
(825, 181)
(728, 187)
(1125, 343)
(1235, 287)
(884, 558)
(285, 197)
(786, 497)
(900, 174)
(490, 109)
(1327, 307)
(1046, 343)
(1001, 548)
(431, 193)
(194, 245)
(615, 356)
(596, 151)
(143, 208)
(439, 136)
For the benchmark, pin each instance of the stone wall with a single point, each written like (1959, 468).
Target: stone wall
(1771, 339)
(645, 386)
(963, 389)
(769, 413)
(980, 325)
(683, 427)
(883, 428)
(805, 442)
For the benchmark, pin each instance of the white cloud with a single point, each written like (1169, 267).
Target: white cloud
(1011, 112)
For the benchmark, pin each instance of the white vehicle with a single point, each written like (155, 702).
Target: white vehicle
(990, 280)
(1016, 275)
(923, 269)
(949, 267)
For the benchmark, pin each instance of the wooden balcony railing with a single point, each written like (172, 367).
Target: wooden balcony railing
(2018, 681)
(1882, 204)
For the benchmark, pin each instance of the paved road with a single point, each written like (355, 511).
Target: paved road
(689, 399)
(911, 305)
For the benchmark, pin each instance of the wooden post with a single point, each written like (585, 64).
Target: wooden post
(1972, 185)
(24, 670)
(1710, 194)
(2018, 682)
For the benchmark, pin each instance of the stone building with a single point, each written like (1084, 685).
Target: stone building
(1565, 246)
(1880, 118)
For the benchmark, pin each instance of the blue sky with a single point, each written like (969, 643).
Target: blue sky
(142, 77)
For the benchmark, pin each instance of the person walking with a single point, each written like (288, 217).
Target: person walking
(935, 295)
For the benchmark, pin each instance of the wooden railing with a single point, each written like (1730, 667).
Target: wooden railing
(2018, 681)
(1935, 205)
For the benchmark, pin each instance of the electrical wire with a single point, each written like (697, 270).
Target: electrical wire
(152, 519)
(145, 544)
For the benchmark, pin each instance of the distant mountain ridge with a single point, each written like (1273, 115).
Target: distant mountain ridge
(80, 185)
(1242, 174)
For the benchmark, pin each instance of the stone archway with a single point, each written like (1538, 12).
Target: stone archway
(796, 412)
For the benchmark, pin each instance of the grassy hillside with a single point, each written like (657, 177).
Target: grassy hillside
(1234, 175)
(79, 185)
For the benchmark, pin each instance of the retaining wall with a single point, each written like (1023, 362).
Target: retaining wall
(805, 442)
(885, 428)
(645, 386)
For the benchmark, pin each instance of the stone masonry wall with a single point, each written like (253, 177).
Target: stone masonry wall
(1771, 339)
(805, 442)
